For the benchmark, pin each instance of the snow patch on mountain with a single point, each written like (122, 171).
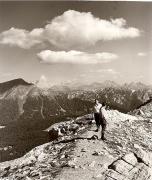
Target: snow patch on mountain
(43, 82)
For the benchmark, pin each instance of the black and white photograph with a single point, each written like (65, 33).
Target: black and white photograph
(75, 90)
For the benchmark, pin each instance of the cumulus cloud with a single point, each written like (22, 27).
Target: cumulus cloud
(75, 57)
(142, 54)
(21, 38)
(72, 29)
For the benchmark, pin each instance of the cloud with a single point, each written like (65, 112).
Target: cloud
(74, 29)
(109, 71)
(104, 72)
(75, 57)
(21, 38)
(71, 30)
(142, 54)
(101, 71)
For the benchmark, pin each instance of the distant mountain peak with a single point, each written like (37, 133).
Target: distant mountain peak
(135, 85)
(12, 83)
(43, 83)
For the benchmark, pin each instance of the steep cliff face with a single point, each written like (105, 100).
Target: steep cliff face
(11, 103)
(20, 98)
(144, 110)
(77, 153)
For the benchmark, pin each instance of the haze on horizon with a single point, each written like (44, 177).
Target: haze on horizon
(74, 42)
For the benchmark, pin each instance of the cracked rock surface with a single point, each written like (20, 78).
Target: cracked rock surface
(78, 154)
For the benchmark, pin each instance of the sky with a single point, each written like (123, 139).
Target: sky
(76, 42)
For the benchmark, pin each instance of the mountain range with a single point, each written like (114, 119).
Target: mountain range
(19, 98)
(26, 109)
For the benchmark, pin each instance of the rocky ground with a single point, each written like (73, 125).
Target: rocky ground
(78, 153)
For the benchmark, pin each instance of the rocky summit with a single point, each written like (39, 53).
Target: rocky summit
(78, 153)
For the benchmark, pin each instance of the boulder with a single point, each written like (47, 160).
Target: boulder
(73, 127)
(121, 167)
(114, 175)
(145, 157)
(84, 120)
(130, 158)
(129, 167)
(60, 129)
(141, 172)
(54, 133)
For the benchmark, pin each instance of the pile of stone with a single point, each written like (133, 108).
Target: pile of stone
(68, 128)
(132, 166)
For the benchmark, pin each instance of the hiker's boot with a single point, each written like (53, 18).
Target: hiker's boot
(102, 137)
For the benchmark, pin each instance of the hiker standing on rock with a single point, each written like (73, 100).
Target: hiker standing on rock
(99, 116)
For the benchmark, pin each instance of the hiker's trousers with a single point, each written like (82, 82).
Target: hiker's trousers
(100, 121)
